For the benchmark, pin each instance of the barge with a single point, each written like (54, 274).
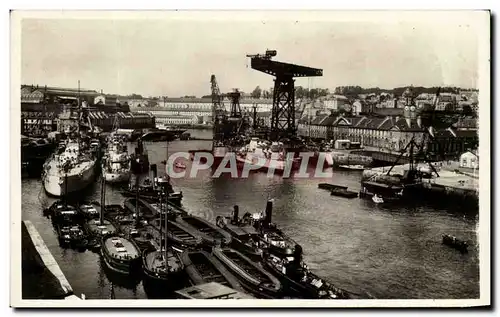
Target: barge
(252, 276)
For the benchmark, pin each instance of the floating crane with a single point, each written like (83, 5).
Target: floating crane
(283, 125)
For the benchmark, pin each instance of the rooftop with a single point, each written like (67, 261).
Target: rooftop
(211, 291)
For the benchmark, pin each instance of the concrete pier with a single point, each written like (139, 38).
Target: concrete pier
(41, 276)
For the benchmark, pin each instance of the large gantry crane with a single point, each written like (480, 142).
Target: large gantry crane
(283, 125)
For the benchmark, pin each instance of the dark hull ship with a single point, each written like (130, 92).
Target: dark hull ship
(182, 237)
(202, 267)
(244, 236)
(121, 255)
(299, 282)
(72, 236)
(272, 239)
(252, 276)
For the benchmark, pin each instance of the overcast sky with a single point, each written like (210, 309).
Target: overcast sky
(176, 57)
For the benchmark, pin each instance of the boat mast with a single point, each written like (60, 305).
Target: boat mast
(161, 223)
(103, 199)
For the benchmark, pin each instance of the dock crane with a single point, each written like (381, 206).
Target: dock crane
(283, 125)
(219, 115)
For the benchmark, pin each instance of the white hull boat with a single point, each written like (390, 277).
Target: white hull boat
(78, 174)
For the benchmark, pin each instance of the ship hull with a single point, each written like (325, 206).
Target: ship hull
(59, 185)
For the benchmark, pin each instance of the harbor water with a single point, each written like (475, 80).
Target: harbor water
(387, 251)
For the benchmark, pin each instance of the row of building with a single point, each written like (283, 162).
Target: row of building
(42, 106)
(392, 133)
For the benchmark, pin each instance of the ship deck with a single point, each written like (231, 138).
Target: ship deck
(120, 247)
(155, 262)
(95, 226)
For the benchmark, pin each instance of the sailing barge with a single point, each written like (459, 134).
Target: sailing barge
(121, 255)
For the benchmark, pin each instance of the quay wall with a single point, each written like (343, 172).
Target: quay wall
(42, 277)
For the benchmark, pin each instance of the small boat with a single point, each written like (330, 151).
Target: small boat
(202, 267)
(251, 275)
(353, 167)
(455, 243)
(89, 210)
(344, 193)
(330, 187)
(168, 272)
(377, 199)
(120, 254)
(209, 232)
(245, 237)
(71, 236)
(61, 212)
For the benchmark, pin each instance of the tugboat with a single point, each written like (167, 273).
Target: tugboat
(164, 265)
(244, 236)
(120, 254)
(202, 267)
(455, 243)
(150, 190)
(272, 239)
(299, 281)
(252, 276)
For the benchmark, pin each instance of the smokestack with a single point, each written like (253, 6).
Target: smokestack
(269, 212)
(154, 171)
(235, 213)
(297, 254)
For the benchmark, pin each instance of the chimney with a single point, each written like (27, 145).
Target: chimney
(235, 214)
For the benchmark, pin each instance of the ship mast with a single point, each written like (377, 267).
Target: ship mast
(166, 218)
(79, 113)
(103, 199)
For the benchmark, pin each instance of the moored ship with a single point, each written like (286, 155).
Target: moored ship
(70, 171)
(263, 155)
(73, 166)
(116, 163)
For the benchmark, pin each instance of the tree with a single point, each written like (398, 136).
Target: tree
(256, 93)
